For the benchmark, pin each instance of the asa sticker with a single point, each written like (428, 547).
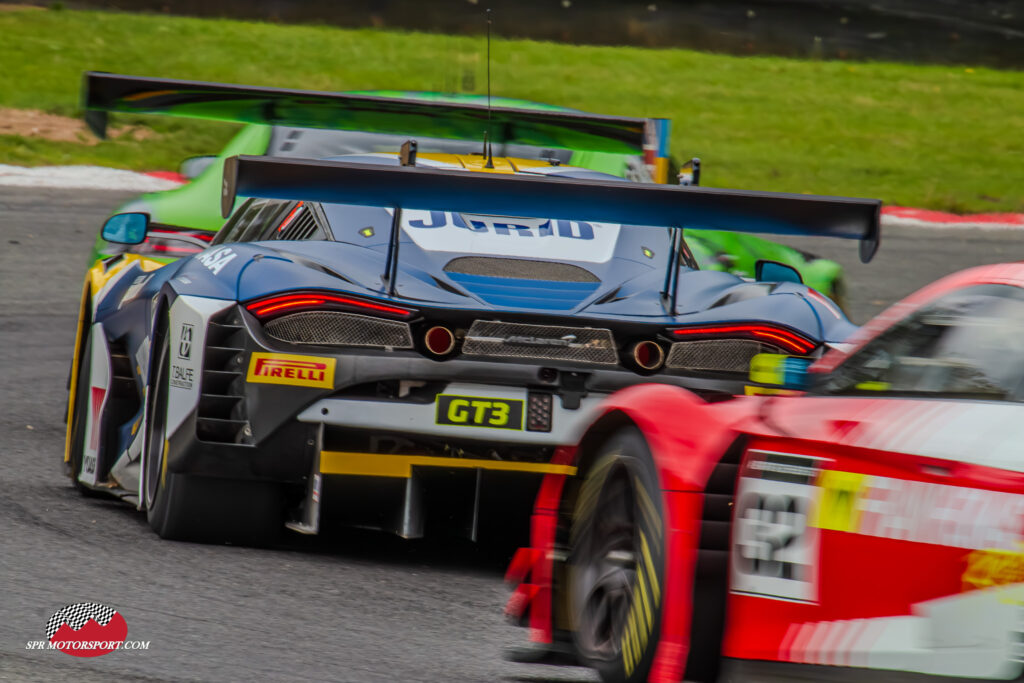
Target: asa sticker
(218, 258)
(291, 370)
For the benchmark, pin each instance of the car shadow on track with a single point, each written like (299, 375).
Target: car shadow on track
(441, 552)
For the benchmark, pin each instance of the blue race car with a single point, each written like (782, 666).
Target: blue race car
(390, 336)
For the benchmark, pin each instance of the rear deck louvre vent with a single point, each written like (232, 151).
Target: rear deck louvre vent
(302, 227)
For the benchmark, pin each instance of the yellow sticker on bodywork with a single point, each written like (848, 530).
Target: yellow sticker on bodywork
(993, 567)
(291, 370)
(838, 508)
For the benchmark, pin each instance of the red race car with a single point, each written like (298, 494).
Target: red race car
(865, 522)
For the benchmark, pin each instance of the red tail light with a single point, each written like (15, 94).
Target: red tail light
(273, 306)
(770, 334)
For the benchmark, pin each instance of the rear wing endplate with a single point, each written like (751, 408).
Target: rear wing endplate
(339, 182)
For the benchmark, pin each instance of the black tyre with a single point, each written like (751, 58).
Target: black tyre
(80, 418)
(617, 561)
(200, 509)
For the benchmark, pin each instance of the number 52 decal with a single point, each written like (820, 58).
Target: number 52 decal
(774, 551)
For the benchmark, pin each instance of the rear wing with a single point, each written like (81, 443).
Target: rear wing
(339, 182)
(103, 93)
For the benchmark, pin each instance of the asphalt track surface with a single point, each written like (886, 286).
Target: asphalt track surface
(349, 607)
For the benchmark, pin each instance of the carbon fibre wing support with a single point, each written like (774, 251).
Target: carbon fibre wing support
(339, 182)
(103, 93)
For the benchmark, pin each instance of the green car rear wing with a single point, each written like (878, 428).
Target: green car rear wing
(104, 92)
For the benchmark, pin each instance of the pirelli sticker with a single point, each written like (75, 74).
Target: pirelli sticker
(291, 370)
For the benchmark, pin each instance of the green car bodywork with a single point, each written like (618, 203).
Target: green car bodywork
(196, 205)
(738, 254)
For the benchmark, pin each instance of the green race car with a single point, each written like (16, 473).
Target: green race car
(316, 125)
(738, 254)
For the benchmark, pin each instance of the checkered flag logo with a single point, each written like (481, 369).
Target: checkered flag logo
(77, 615)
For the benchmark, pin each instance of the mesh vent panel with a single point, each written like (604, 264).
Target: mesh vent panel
(727, 355)
(333, 328)
(519, 269)
(542, 342)
(302, 227)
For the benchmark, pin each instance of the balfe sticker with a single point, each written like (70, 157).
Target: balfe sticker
(86, 629)
(188, 318)
(291, 370)
(183, 375)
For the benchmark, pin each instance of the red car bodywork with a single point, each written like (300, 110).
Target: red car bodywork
(915, 521)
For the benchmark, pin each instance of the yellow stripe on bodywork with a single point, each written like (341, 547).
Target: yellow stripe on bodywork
(377, 465)
(472, 162)
(74, 370)
(98, 276)
(661, 170)
(765, 391)
(163, 464)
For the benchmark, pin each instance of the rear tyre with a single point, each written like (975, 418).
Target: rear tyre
(200, 509)
(616, 561)
(80, 418)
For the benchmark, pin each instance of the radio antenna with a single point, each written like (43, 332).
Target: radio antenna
(487, 143)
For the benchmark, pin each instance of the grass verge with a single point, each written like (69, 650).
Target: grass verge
(948, 138)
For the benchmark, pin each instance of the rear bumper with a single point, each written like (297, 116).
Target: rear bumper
(423, 419)
(240, 425)
(372, 418)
